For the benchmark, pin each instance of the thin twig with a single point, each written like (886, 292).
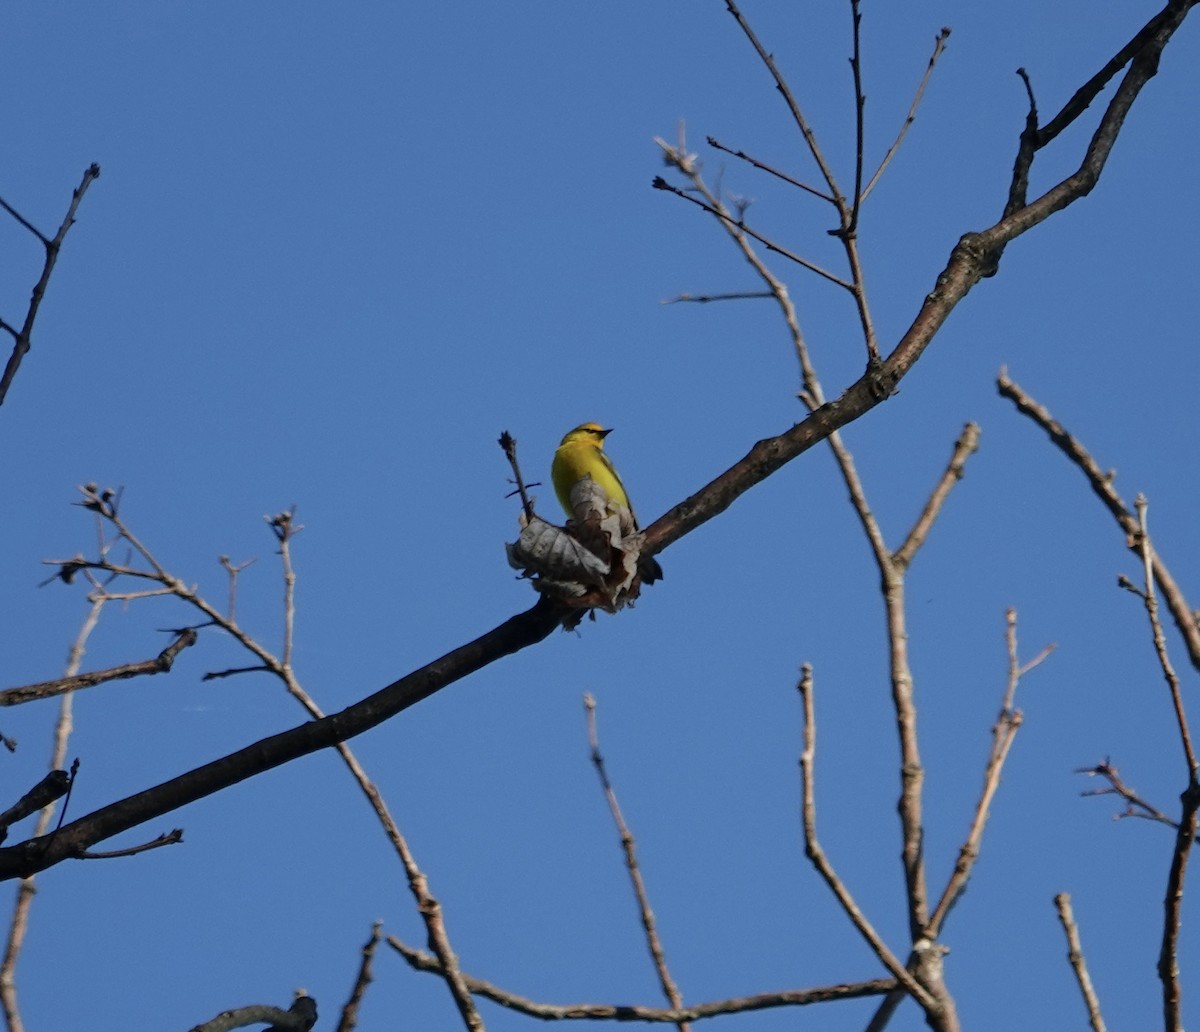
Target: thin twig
(707, 299)
(53, 245)
(422, 961)
(1004, 733)
(814, 852)
(939, 45)
(762, 166)
(1066, 917)
(964, 448)
(233, 569)
(629, 847)
(349, 1018)
(170, 838)
(508, 444)
(860, 103)
(740, 225)
(285, 527)
(160, 664)
(785, 91)
(1160, 641)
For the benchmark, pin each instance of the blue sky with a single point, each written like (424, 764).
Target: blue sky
(334, 252)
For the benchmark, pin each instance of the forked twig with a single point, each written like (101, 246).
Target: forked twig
(1135, 805)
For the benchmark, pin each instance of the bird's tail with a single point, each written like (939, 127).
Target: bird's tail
(649, 569)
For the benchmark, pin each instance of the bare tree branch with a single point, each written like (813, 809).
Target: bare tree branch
(974, 257)
(421, 961)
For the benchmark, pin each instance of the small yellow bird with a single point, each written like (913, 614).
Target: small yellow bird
(580, 455)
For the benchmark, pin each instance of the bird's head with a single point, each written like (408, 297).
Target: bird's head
(592, 433)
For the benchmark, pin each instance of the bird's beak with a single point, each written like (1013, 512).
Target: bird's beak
(605, 433)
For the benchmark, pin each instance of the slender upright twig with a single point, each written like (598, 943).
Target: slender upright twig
(1004, 733)
(966, 446)
(1160, 641)
(815, 853)
(939, 45)
(349, 1017)
(1066, 916)
(19, 926)
(1185, 834)
(860, 104)
(629, 848)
